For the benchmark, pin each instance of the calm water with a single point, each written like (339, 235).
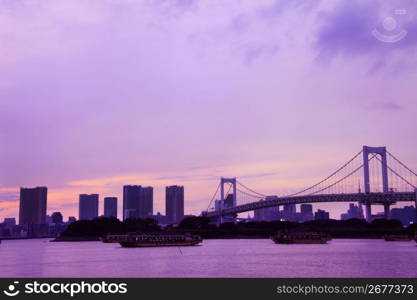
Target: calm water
(215, 258)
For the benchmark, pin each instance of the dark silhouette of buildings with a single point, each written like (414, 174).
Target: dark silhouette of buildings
(57, 218)
(137, 201)
(306, 212)
(321, 215)
(71, 219)
(174, 203)
(159, 218)
(289, 213)
(110, 207)
(88, 206)
(32, 209)
(406, 215)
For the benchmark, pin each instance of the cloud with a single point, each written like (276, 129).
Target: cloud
(390, 106)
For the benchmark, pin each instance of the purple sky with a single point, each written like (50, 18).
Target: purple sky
(100, 93)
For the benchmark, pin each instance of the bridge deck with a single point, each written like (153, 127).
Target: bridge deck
(371, 198)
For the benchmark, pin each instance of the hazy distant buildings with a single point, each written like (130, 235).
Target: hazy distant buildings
(289, 213)
(88, 206)
(354, 212)
(110, 207)
(269, 213)
(137, 201)
(174, 203)
(321, 215)
(32, 209)
(266, 214)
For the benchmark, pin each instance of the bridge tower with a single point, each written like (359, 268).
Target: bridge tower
(223, 181)
(382, 151)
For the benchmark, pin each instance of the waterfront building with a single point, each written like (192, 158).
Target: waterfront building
(174, 203)
(146, 202)
(137, 201)
(110, 207)
(32, 206)
(88, 206)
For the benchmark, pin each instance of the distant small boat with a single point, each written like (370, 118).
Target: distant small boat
(113, 238)
(397, 238)
(301, 238)
(160, 240)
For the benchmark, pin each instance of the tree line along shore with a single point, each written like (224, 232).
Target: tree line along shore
(353, 228)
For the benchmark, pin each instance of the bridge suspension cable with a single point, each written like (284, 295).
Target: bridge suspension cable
(249, 189)
(402, 164)
(328, 177)
(214, 196)
(398, 175)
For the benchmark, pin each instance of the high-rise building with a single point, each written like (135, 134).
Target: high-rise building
(146, 202)
(88, 206)
(137, 201)
(306, 212)
(131, 195)
(32, 209)
(110, 207)
(174, 203)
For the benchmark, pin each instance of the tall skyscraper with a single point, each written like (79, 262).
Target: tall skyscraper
(174, 203)
(137, 201)
(131, 195)
(110, 207)
(32, 209)
(146, 202)
(88, 206)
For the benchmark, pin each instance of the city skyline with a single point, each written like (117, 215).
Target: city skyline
(174, 96)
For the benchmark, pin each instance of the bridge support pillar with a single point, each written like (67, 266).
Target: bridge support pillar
(415, 204)
(386, 211)
(368, 212)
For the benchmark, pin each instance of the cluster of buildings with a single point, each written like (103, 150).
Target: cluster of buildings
(289, 213)
(137, 203)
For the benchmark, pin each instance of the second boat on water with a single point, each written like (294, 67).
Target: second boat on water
(160, 240)
(301, 238)
(397, 238)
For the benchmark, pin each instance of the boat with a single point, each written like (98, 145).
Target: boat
(113, 238)
(160, 240)
(301, 238)
(397, 238)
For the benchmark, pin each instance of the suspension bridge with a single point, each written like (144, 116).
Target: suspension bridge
(385, 180)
